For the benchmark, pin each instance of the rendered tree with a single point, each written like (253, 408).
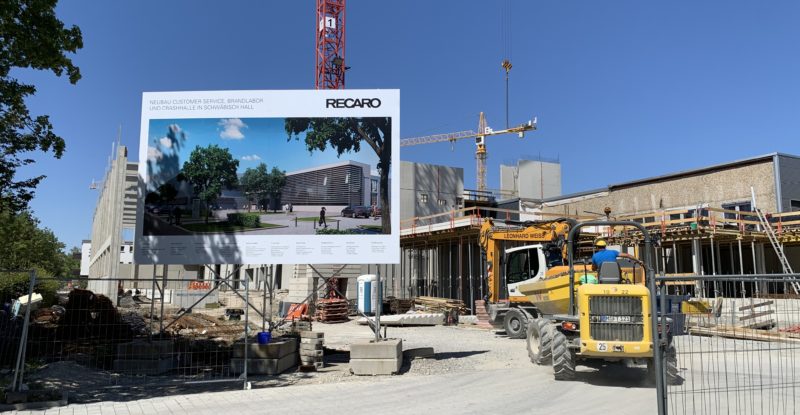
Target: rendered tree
(276, 180)
(31, 36)
(253, 182)
(167, 192)
(346, 135)
(210, 170)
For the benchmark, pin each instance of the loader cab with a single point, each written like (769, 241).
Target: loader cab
(523, 264)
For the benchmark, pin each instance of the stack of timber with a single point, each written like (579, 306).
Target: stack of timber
(332, 310)
(742, 333)
(312, 355)
(444, 305)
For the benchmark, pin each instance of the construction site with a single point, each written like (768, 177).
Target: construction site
(668, 294)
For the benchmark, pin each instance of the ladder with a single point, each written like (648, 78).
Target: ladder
(776, 245)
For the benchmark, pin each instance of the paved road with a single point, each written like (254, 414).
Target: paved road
(513, 391)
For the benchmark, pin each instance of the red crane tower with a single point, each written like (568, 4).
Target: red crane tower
(330, 45)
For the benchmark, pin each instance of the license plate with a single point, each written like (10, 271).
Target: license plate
(615, 319)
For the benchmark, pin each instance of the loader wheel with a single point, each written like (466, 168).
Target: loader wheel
(670, 366)
(563, 360)
(540, 339)
(514, 323)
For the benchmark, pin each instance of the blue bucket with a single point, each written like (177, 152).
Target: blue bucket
(264, 337)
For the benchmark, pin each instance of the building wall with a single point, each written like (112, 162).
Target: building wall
(341, 185)
(714, 188)
(429, 189)
(790, 183)
(538, 179)
(508, 182)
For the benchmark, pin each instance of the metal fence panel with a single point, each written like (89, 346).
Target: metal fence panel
(738, 350)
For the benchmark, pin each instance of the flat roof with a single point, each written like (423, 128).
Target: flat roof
(330, 165)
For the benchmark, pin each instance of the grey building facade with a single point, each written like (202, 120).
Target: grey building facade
(347, 183)
(429, 189)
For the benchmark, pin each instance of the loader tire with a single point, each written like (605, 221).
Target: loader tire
(514, 324)
(563, 359)
(670, 366)
(540, 339)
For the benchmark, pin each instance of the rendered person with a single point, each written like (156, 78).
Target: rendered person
(322, 221)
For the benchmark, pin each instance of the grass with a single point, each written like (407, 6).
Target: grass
(371, 227)
(224, 227)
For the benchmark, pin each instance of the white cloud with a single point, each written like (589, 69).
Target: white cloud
(231, 129)
(253, 157)
(166, 142)
(154, 154)
(175, 128)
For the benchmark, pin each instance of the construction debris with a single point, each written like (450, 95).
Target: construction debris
(400, 305)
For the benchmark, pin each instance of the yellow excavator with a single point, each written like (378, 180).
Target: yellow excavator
(570, 312)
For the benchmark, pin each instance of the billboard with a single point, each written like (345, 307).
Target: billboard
(251, 177)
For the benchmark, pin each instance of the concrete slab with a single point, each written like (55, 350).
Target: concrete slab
(312, 334)
(421, 319)
(389, 349)
(265, 366)
(312, 341)
(467, 319)
(272, 350)
(375, 366)
(312, 353)
(144, 366)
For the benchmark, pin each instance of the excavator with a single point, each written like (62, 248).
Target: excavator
(567, 311)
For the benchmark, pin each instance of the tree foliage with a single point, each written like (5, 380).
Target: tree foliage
(346, 135)
(210, 170)
(259, 184)
(25, 245)
(31, 36)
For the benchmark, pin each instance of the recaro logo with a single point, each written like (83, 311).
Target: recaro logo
(352, 103)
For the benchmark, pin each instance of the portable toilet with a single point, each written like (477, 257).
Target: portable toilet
(369, 297)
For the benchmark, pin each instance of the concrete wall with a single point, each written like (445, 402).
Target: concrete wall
(437, 183)
(714, 188)
(540, 180)
(508, 182)
(789, 182)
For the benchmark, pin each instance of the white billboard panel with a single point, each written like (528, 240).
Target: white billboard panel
(250, 177)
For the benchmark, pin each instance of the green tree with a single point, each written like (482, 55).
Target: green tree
(346, 135)
(167, 192)
(253, 183)
(24, 245)
(276, 180)
(210, 170)
(31, 36)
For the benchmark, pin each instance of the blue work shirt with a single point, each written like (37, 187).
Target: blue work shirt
(606, 255)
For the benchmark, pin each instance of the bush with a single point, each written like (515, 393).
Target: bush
(248, 220)
(331, 231)
(14, 285)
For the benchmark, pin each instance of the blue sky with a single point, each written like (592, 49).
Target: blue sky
(251, 141)
(622, 90)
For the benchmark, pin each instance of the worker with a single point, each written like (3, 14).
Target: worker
(607, 255)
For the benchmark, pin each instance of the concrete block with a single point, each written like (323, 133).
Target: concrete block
(311, 346)
(272, 350)
(145, 350)
(419, 353)
(265, 366)
(389, 349)
(310, 360)
(375, 366)
(312, 341)
(312, 353)
(467, 319)
(312, 334)
(144, 366)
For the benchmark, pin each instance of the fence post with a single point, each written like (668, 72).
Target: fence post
(19, 368)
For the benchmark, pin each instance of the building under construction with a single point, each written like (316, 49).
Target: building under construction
(720, 219)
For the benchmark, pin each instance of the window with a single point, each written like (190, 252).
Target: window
(325, 181)
(374, 185)
(740, 206)
(794, 205)
(347, 178)
(522, 265)
(423, 197)
(459, 202)
(442, 202)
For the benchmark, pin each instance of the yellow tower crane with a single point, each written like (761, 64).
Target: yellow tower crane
(480, 142)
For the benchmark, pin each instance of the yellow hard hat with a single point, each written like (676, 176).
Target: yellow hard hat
(600, 242)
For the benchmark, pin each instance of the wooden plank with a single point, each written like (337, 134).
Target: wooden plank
(747, 307)
(743, 334)
(767, 324)
(756, 315)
